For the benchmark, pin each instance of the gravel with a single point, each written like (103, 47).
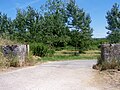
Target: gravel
(62, 75)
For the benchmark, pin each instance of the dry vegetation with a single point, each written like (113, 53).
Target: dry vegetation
(106, 80)
(71, 52)
(111, 77)
(6, 62)
(104, 65)
(6, 42)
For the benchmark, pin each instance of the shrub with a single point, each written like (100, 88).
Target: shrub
(29, 60)
(51, 52)
(39, 49)
(58, 48)
(71, 48)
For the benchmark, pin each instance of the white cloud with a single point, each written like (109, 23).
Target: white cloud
(19, 5)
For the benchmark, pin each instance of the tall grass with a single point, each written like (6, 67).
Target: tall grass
(3, 61)
(30, 60)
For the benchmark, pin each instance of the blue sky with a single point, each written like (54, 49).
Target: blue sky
(96, 8)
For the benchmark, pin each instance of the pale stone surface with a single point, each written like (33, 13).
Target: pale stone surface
(62, 75)
(110, 52)
(19, 51)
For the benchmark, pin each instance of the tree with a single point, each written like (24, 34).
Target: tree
(79, 22)
(6, 26)
(20, 25)
(3, 23)
(113, 20)
(58, 25)
(27, 25)
(32, 24)
(53, 24)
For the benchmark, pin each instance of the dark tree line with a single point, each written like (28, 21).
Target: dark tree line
(56, 24)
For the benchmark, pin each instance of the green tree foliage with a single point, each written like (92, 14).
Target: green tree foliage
(113, 20)
(39, 49)
(56, 24)
(3, 23)
(27, 25)
(96, 43)
(32, 24)
(79, 21)
(54, 28)
(6, 26)
(20, 25)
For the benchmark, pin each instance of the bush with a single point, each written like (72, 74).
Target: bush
(39, 49)
(30, 60)
(58, 48)
(51, 52)
(69, 48)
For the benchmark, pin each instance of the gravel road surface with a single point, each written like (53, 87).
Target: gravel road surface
(62, 75)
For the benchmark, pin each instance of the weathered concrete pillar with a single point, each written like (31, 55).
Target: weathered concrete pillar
(110, 52)
(19, 51)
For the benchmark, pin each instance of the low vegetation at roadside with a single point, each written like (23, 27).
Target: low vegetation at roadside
(70, 55)
(104, 65)
(6, 62)
(30, 60)
(3, 61)
(40, 49)
(7, 41)
(11, 60)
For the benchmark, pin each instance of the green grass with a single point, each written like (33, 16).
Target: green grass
(69, 55)
(58, 58)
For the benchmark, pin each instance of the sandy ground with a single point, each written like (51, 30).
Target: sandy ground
(62, 75)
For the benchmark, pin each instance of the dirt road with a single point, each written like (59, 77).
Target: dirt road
(62, 75)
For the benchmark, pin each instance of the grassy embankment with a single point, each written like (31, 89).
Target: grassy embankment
(69, 55)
